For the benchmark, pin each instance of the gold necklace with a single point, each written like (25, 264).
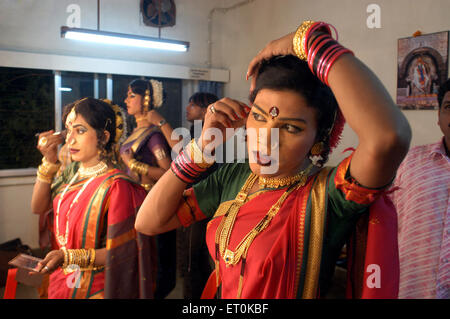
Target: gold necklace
(275, 182)
(91, 172)
(62, 240)
(226, 225)
(95, 170)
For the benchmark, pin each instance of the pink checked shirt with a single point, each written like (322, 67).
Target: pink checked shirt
(422, 204)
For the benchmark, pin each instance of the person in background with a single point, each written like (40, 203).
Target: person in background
(421, 198)
(147, 157)
(96, 253)
(193, 257)
(277, 223)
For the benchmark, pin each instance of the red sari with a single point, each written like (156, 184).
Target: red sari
(295, 256)
(103, 217)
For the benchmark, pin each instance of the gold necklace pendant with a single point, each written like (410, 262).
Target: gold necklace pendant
(228, 257)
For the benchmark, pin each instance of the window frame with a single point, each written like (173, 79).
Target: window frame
(59, 63)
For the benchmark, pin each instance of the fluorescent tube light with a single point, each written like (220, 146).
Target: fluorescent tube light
(123, 39)
(65, 89)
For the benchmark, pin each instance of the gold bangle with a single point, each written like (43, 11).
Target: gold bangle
(44, 178)
(92, 258)
(139, 167)
(66, 257)
(51, 168)
(298, 40)
(196, 155)
(143, 168)
(132, 165)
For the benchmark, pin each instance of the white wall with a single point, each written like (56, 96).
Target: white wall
(251, 27)
(34, 26)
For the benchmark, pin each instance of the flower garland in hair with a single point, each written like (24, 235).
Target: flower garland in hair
(337, 129)
(157, 93)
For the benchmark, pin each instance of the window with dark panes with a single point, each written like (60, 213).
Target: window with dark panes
(75, 86)
(26, 108)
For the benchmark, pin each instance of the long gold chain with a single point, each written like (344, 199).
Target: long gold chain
(91, 172)
(226, 225)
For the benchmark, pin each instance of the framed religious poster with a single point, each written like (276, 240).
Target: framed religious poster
(422, 67)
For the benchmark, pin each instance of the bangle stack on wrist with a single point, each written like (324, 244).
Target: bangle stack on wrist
(83, 258)
(190, 163)
(320, 50)
(139, 167)
(46, 171)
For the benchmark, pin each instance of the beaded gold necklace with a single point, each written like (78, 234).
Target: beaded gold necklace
(271, 182)
(95, 170)
(223, 232)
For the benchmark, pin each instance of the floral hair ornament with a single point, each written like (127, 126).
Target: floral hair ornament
(120, 121)
(157, 95)
(336, 130)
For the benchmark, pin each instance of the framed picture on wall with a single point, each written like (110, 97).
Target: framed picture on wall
(422, 67)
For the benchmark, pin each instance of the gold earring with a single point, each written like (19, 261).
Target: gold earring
(317, 148)
(315, 152)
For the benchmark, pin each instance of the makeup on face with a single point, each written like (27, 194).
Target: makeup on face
(287, 114)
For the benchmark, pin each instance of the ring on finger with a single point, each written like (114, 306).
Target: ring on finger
(212, 109)
(43, 141)
(46, 268)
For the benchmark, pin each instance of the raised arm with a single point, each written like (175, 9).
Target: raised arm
(158, 211)
(156, 119)
(383, 131)
(41, 199)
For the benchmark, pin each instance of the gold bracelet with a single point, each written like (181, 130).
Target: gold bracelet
(196, 155)
(298, 41)
(51, 167)
(66, 257)
(44, 178)
(139, 167)
(92, 258)
(143, 168)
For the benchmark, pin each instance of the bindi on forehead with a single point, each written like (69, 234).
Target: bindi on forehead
(274, 112)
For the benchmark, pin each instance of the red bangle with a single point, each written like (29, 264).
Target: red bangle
(316, 50)
(178, 174)
(193, 167)
(333, 59)
(324, 58)
(313, 28)
(313, 50)
(186, 170)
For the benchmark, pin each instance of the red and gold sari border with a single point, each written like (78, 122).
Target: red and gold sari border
(319, 201)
